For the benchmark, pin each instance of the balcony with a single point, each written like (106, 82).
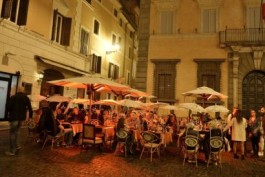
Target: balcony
(243, 37)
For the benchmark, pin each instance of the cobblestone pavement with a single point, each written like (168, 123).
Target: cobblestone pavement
(32, 161)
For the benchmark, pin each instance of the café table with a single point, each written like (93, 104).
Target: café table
(77, 127)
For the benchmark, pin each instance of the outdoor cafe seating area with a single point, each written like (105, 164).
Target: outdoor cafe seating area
(130, 126)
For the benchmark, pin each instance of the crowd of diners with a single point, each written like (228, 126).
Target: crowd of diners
(236, 129)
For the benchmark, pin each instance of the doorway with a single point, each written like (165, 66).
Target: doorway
(253, 92)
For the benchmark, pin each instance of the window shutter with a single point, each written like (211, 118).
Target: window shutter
(212, 20)
(99, 65)
(84, 42)
(55, 12)
(206, 21)
(23, 12)
(116, 72)
(66, 31)
(6, 8)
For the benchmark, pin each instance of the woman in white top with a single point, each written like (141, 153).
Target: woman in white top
(239, 125)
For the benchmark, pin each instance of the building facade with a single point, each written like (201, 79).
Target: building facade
(43, 40)
(216, 43)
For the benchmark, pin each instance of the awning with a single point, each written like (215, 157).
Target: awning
(60, 65)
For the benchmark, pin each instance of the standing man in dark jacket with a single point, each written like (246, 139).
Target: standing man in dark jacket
(17, 107)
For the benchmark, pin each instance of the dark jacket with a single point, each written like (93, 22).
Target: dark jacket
(17, 107)
(48, 122)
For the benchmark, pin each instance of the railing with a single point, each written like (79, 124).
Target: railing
(245, 36)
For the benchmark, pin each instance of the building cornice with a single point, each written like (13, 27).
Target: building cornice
(209, 3)
(176, 60)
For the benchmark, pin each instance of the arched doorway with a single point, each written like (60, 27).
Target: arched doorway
(253, 91)
(49, 89)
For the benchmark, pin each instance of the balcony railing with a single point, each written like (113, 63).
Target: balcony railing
(245, 36)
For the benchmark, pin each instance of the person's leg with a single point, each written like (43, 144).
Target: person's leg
(235, 149)
(13, 136)
(18, 135)
(242, 149)
(255, 143)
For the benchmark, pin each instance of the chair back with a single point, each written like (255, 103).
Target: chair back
(89, 131)
(150, 137)
(122, 134)
(94, 122)
(191, 139)
(31, 125)
(216, 140)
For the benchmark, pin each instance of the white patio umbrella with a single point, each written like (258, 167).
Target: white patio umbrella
(36, 97)
(192, 106)
(81, 101)
(216, 108)
(156, 105)
(58, 98)
(131, 103)
(169, 107)
(109, 102)
(205, 93)
(91, 82)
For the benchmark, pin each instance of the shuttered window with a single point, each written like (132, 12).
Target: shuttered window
(165, 79)
(96, 27)
(84, 42)
(61, 30)
(166, 22)
(209, 20)
(96, 64)
(15, 10)
(165, 85)
(113, 71)
(253, 17)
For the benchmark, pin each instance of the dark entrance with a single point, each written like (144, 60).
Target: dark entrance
(49, 89)
(253, 91)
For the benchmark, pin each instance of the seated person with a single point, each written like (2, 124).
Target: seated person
(76, 116)
(98, 116)
(130, 140)
(132, 122)
(59, 115)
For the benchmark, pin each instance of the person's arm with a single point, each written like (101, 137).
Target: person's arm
(230, 123)
(29, 107)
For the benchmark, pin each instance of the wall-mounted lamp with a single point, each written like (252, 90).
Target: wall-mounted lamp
(40, 77)
(5, 59)
(113, 49)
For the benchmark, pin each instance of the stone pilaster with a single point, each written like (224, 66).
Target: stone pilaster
(77, 25)
(235, 79)
(257, 56)
(144, 23)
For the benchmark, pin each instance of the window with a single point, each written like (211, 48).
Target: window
(80, 93)
(96, 64)
(89, 1)
(115, 12)
(128, 78)
(130, 53)
(84, 42)
(253, 17)
(164, 79)
(209, 73)
(166, 22)
(113, 71)
(114, 39)
(15, 10)
(119, 42)
(96, 27)
(209, 20)
(61, 29)
(131, 34)
(120, 22)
